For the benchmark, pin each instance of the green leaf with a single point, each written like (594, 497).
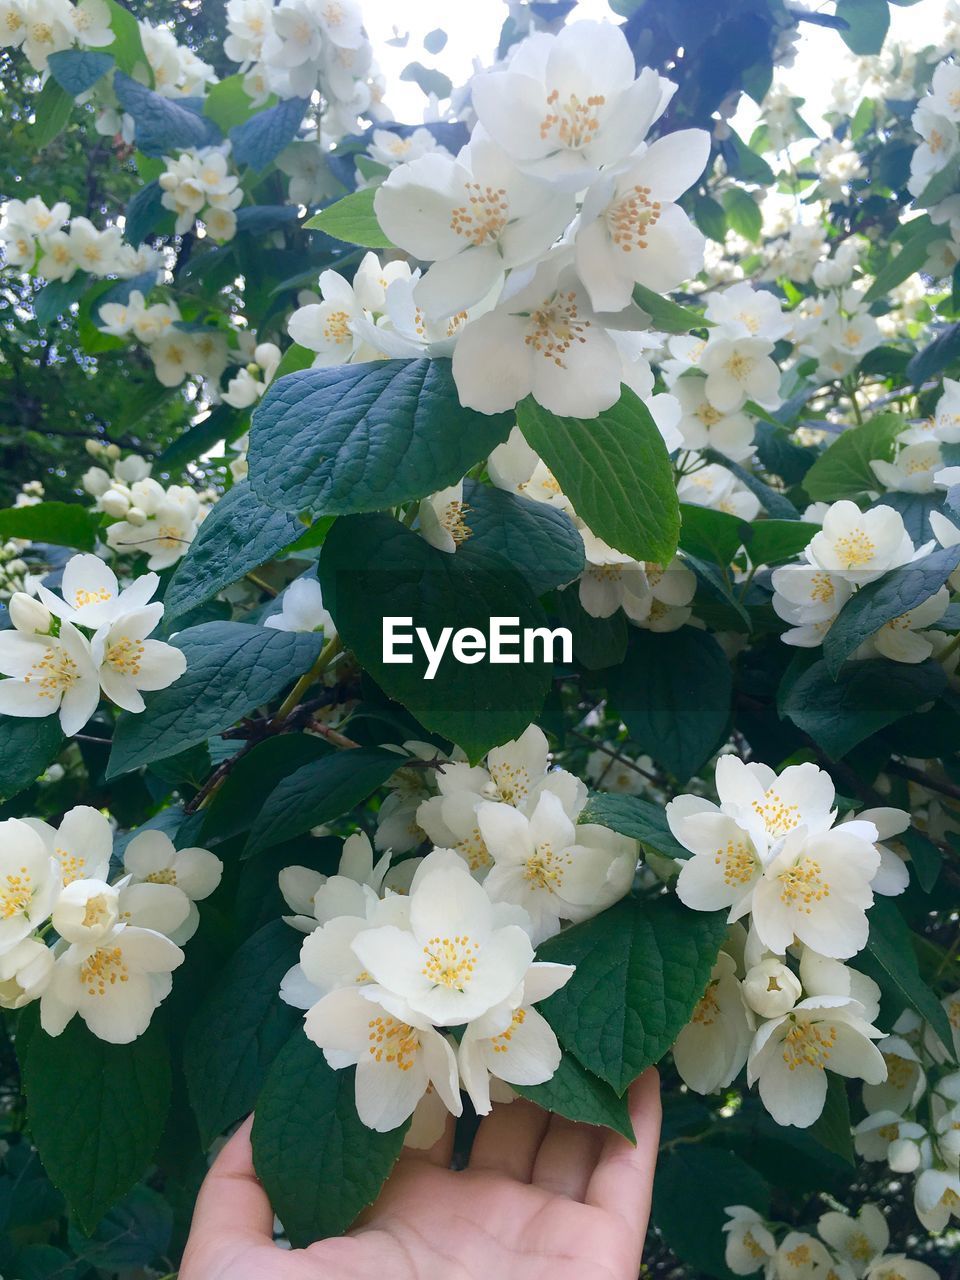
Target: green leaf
(428, 79)
(239, 1029)
(673, 693)
(52, 109)
(867, 696)
(939, 355)
(228, 104)
(616, 471)
(319, 1164)
(579, 1095)
(641, 967)
(774, 503)
(743, 213)
(540, 541)
(365, 436)
(238, 535)
(371, 567)
(667, 316)
(237, 801)
(77, 70)
(223, 423)
(259, 140)
(96, 1112)
(318, 792)
(710, 216)
(884, 599)
(867, 24)
(64, 524)
(832, 1128)
(843, 469)
(710, 535)
(353, 220)
(890, 943)
(694, 1185)
(926, 860)
(56, 298)
(597, 642)
(127, 47)
(909, 260)
(774, 541)
(232, 667)
(633, 816)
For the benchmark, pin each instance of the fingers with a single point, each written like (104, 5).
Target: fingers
(232, 1201)
(509, 1138)
(623, 1180)
(440, 1153)
(567, 1157)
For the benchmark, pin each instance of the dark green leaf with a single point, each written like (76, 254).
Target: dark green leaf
(884, 599)
(911, 257)
(843, 469)
(867, 24)
(641, 967)
(371, 567)
(429, 80)
(366, 436)
(673, 693)
(926, 859)
(891, 944)
(939, 355)
(64, 524)
(162, 124)
(774, 503)
(710, 535)
(353, 220)
(616, 471)
(239, 535)
(97, 1136)
(237, 801)
(633, 816)
(711, 218)
(774, 541)
(239, 1029)
(597, 642)
(260, 139)
(318, 792)
(77, 70)
(318, 1163)
(832, 1128)
(540, 541)
(579, 1095)
(666, 316)
(232, 667)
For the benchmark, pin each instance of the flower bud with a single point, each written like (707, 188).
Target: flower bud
(112, 451)
(29, 615)
(93, 447)
(771, 989)
(86, 910)
(137, 516)
(903, 1155)
(25, 971)
(115, 503)
(95, 481)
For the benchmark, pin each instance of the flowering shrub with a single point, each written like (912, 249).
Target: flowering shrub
(513, 592)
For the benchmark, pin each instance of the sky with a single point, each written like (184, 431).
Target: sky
(473, 29)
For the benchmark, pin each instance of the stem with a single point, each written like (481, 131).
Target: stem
(327, 654)
(264, 586)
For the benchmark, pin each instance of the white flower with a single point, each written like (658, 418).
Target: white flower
(330, 327)
(631, 231)
(741, 311)
(328, 960)
(457, 961)
(860, 545)
(882, 1133)
(551, 868)
(810, 598)
(800, 1256)
(771, 806)
(29, 882)
(726, 864)
(936, 1198)
(114, 985)
(906, 1079)
(902, 639)
(739, 369)
(128, 661)
(749, 1244)
(82, 844)
(49, 674)
(397, 1052)
(912, 470)
(711, 1050)
(390, 149)
(817, 889)
(567, 104)
(542, 339)
(858, 1241)
(29, 615)
(151, 858)
(790, 1056)
(86, 911)
(897, 1266)
(164, 538)
(302, 610)
(92, 595)
(702, 425)
(25, 971)
(513, 1042)
(823, 976)
(715, 487)
(771, 989)
(473, 217)
(441, 518)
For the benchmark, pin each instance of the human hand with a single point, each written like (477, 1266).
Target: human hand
(542, 1198)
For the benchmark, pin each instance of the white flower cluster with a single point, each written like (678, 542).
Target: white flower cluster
(293, 47)
(848, 1248)
(14, 571)
(116, 939)
(37, 239)
(177, 351)
(936, 120)
(854, 548)
(52, 667)
(835, 328)
(159, 522)
(199, 184)
(247, 386)
(396, 955)
(771, 850)
(539, 229)
(42, 27)
(913, 1117)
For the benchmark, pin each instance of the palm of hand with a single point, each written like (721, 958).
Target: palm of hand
(542, 1198)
